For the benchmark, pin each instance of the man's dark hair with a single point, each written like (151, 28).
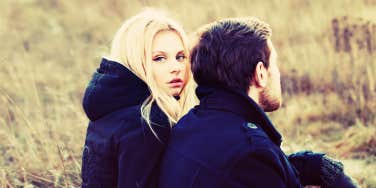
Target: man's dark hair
(227, 52)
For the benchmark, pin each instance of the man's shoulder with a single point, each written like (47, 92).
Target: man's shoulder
(216, 144)
(209, 126)
(225, 127)
(208, 136)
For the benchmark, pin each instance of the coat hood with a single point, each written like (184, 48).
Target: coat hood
(112, 88)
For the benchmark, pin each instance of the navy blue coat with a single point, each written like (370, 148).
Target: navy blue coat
(120, 150)
(226, 141)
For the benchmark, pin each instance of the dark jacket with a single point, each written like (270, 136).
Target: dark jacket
(120, 149)
(227, 141)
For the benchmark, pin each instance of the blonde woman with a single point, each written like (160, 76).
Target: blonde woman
(133, 99)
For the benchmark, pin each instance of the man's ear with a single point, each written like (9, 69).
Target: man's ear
(260, 76)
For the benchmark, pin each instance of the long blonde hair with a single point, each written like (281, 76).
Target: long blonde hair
(132, 46)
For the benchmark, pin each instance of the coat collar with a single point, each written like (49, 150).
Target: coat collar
(239, 103)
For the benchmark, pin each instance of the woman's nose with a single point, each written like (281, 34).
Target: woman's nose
(176, 67)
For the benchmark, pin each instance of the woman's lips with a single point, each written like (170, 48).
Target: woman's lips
(175, 83)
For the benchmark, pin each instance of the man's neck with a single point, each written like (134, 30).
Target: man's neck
(254, 93)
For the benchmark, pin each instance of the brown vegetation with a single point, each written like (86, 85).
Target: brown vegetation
(49, 49)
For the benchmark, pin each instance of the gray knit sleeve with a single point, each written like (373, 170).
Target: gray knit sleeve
(332, 175)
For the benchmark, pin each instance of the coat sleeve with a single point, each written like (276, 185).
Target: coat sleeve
(139, 155)
(318, 169)
(260, 168)
(129, 153)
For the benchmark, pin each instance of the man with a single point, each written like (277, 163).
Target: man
(228, 140)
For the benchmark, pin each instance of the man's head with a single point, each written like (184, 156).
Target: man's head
(238, 54)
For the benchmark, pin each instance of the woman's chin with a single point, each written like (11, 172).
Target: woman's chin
(175, 92)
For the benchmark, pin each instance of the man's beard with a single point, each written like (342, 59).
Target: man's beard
(268, 101)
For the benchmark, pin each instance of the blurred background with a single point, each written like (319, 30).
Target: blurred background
(50, 48)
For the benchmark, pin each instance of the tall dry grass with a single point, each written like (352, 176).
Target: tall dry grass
(50, 48)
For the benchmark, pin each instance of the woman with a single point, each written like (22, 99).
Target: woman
(134, 97)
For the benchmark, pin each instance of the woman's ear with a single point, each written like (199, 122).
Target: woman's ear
(260, 76)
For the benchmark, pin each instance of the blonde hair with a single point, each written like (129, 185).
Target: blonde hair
(132, 46)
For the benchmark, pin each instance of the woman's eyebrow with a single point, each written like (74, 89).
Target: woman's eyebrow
(180, 52)
(158, 52)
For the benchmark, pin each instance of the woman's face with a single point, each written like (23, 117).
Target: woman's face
(169, 62)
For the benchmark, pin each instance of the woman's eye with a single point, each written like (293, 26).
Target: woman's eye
(181, 58)
(159, 59)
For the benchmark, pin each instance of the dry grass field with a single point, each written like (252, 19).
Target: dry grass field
(49, 49)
